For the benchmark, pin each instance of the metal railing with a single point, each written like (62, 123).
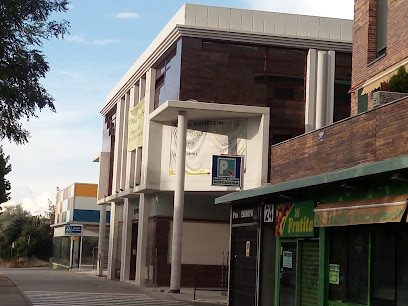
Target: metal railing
(213, 279)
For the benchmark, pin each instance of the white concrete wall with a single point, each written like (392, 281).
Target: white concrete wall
(268, 22)
(203, 243)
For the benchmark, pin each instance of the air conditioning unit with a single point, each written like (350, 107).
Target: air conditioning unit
(384, 97)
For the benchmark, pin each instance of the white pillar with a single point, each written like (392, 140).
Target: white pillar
(144, 211)
(101, 240)
(126, 240)
(330, 78)
(178, 203)
(113, 241)
(321, 89)
(310, 111)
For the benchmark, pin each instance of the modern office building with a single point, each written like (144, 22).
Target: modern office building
(215, 81)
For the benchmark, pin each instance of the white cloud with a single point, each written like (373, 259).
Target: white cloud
(70, 6)
(104, 42)
(326, 8)
(82, 40)
(127, 15)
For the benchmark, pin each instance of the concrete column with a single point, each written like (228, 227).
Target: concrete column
(131, 156)
(126, 102)
(321, 89)
(178, 203)
(330, 77)
(113, 241)
(144, 211)
(310, 111)
(101, 240)
(126, 240)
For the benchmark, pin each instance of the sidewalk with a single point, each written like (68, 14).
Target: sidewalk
(10, 294)
(187, 295)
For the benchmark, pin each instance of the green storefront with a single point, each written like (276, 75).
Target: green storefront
(297, 254)
(356, 251)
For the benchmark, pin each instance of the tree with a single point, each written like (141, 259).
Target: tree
(32, 235)
(5, 186)
(24, 24)
(11, 226)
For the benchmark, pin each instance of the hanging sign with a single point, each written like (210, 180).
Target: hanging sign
(73, 230)
(135, 126)
(295, 220)
(226, 170)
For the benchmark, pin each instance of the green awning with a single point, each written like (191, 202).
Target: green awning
(367, 211)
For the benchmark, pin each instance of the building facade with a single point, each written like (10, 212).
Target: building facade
(332, 225)
(226, 81)
(76, 206)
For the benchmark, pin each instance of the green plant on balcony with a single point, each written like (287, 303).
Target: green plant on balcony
(399, 81)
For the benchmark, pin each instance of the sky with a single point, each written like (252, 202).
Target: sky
(106, 38)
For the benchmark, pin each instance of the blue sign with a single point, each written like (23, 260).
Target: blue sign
(73, 229)
(226, 170)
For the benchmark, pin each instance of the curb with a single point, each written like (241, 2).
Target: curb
(19, 289)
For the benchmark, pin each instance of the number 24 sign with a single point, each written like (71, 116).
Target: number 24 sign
(269, 211)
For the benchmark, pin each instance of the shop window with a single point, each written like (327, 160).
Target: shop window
(383, 291)
(352, 261)
(372, 265)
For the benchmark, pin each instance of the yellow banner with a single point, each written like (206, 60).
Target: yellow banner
(135, 126)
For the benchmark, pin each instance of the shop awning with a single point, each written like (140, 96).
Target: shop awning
(384, 77)
(367, 211)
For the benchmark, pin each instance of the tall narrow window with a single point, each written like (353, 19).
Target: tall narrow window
(381, 27)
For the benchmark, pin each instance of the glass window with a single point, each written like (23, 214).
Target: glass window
(357, 282)
(349, 250)
(167, 79)
(381, 27)
(383, 249)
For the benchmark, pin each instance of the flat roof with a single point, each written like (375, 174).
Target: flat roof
(169, 110)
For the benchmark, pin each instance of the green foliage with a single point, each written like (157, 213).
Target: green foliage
(32, 235)
(5, 186)
(24, 24)
(399, 81)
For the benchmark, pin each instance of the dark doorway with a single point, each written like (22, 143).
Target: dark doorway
(244, 247)
(133, 250)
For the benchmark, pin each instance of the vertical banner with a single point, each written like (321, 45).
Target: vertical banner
(135, 126)
(208, 138)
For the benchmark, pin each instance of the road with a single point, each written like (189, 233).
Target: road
(43, 287)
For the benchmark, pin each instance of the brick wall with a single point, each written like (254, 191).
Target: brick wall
(374, 136)
(363, 42)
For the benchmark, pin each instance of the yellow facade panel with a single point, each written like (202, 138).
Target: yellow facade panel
(86, 190)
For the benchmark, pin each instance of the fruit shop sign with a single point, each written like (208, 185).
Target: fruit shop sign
(294, 220)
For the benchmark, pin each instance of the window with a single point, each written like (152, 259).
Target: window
(377, 29)
(167, 79)
(381, 27)
(372, 262)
